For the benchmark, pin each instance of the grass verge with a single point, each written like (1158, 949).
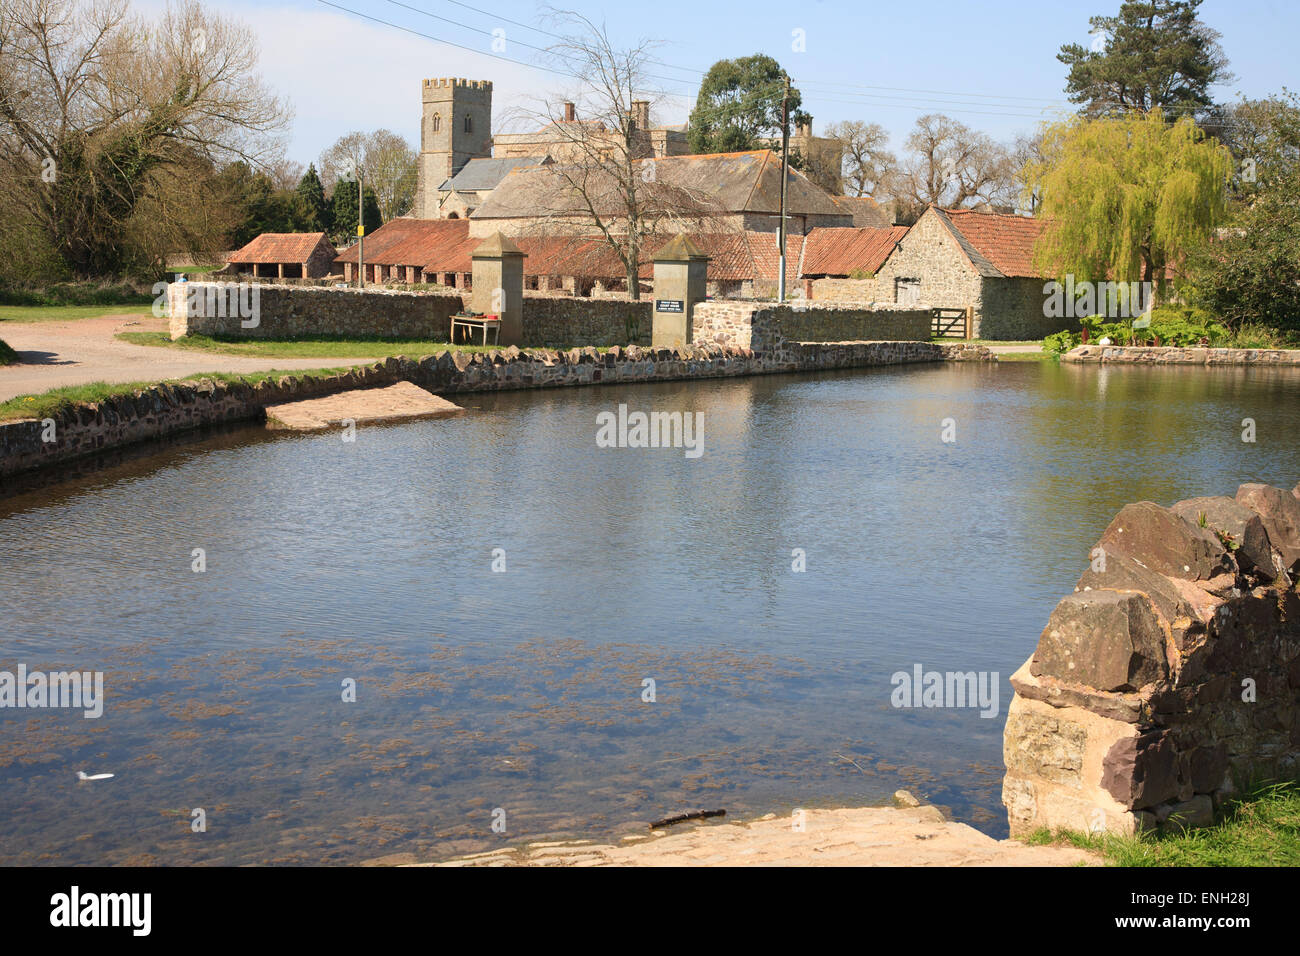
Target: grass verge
(1262, 829)
(322, 347)
(64, 313)
(48, 404)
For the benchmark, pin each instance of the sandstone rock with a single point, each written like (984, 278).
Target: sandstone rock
(1166, 542)
(904, 799)
(1115, 706)
(1107, 640)
(1230, 517)
(1126, 574)
(1142, 771)
(1196, 812)
(1280, 513)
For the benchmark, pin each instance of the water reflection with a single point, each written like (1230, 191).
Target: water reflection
(522, 690)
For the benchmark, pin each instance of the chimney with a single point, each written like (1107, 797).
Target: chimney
(568, 112)
(641, 114)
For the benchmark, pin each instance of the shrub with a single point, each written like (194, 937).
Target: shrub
(7, 355)
(79, 293)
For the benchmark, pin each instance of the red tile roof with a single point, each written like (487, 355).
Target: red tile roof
(840, 252)
(441, 245)
(1005, 242)
(281, 247)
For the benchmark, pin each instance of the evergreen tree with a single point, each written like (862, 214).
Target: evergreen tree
(1156, 54)
(343, 211)
(312, 193)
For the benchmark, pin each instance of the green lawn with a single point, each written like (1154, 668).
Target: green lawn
(1261, 830)
(64, 313)
(323, 347)
(46, 404)
(7, 355)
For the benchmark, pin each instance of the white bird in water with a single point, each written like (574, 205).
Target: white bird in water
(82, 775)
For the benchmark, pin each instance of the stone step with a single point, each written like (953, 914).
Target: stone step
(362, 406)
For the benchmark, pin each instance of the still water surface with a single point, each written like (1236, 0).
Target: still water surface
(523, 690)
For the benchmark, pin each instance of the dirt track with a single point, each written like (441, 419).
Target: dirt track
(80, 351)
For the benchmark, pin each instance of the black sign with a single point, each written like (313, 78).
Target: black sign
(668, 305)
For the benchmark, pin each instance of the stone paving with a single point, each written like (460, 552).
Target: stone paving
(363, 406)
(871, 836)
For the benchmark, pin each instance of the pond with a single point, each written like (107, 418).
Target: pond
(501, 591)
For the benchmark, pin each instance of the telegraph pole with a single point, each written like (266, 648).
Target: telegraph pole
(785, 158)
(361, 234)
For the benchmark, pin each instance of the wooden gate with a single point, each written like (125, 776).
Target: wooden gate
(951, 323)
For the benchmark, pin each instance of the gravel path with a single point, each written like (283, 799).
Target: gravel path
(80, 351)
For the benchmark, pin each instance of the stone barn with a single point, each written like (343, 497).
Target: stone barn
(285, 255)
(959, 259)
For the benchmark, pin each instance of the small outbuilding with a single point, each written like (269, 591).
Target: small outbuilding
(285, 255)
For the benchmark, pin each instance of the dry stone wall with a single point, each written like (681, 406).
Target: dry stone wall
(1170, 678)
(275, 311)
(1173, 355)
(768, 326)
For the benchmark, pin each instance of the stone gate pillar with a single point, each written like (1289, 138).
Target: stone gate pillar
(681, 280)
(498, 285)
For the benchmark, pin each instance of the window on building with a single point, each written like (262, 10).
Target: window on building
(469, 123)
(437, 122)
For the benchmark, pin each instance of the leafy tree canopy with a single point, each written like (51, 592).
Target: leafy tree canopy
(739, 106)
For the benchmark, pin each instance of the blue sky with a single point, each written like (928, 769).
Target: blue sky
(989, 64)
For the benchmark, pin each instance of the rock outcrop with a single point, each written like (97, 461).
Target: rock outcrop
(1170, 677)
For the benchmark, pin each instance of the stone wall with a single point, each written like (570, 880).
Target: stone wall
(768, 326)
(559, 320)
(89, 427)
(282, 311)
(849, 290)
(1172, 355)
(1012, 310)
(1170, 678)
(294, 310)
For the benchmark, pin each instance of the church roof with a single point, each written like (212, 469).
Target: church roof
(481, 174)
(696, 185)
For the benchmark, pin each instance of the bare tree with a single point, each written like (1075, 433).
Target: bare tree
(605, 180)
(867, 160)
(386, 162)
(950, 164)
(97, 107)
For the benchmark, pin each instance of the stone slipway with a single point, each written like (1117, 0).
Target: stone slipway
(401, 401)
(872, 836)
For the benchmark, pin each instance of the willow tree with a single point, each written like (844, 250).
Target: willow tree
(1125, 198)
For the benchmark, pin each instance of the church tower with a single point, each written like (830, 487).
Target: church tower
(455, 127)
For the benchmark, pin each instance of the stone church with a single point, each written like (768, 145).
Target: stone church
(462, 169)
